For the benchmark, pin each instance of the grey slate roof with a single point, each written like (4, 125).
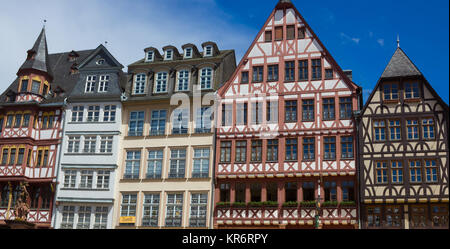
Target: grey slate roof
(39, 62)
(400, 65)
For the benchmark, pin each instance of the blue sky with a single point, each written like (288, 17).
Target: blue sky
(360, 35)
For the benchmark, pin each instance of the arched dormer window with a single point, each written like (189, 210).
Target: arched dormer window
(161, 81)
(206, 78)
(183, 80)
(188, 53)
(209, 51)
(139, 83)
(149, 56)
(168, 55)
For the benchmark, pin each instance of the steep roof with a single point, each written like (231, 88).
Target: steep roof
(400, 65)
(38, 56)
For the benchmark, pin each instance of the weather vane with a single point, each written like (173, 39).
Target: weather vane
(398, 41)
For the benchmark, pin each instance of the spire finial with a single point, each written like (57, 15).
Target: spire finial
(44, 22)
(106, 43)
(398, 41)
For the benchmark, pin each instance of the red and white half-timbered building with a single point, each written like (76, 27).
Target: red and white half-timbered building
(285, 137)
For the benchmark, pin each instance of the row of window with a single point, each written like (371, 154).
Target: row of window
(34, 87)
(290, 148)
(291, 111)
(277, 34)
(392, 172)
(180, 122)
(307, 189)
(89, 144)
(16, 155)
(177, 168)
(93, 113)
(92, 80)
(391, 91)
(188, 52)
(86, 179)
(174, 209)
(22, 120)
(84, 217)
(391, 129)
(305, 72)
(183, 77)
(40, 196)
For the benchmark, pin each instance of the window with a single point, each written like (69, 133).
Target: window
(151, 210)
(419, 216)
(161, 82)
(289, 71)
(303, 70)
(70, 177)
(206, 75)
(272, 73)
(39, 157)
(174, 212)
(379, 127)
(100, 62)
(439, 216)
(103, 83)
(272, 150)
(139, 84)
(290, 32)
(330, 191)
(291, 149)
(309, 191)
(203, 123)
(329, 148)
(73, 145)
(397, 172)
(256, 155)
(106, 144)
(257, 112)
(109, 113)
(241, 113)
(9, 121)
(84, 217)
(374, 217)
(86, 179)
(18, 120)
(328, 109)
(268, 36)
(177, 163)
(255, 192)
(346, 147)
(201, 163)
(272, 111)
(24, 86)
(35, 87)
(77, 113)
(431, 170)
(132, 165)
(198, 210)
(101, 217)
(290, 111)
(224, 189)
(89, 144)
(154, 164)
(393, 216)
(308, 110)
(188, 53)
(301, 33)
(158, 122)
(412, 90)
(241, 151)
(412, 126)
(225, 151)
(258, 73)
(381, 172)
(136, 123)
(128, 206)
(90, 83)
(169, 54)
(93, 113)
(12, 156)
(290, 189)
(68, 214)
(5, 156)
(20, 156)
(244, 77)
(183, 80)
(316, 66)
(208, 51)
(328, 74)
(395, 132)
(149, 56)
(180, 121)
(279, 33)
(390, 91)
(103, 179)
(45, 89)
(240, 192)
(308, 149)
(348, 191)
(428, 128)
(227, 114)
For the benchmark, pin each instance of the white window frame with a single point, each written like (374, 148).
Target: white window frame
(101, 218)
(103, 177)
(109, 113)
(90, 143)
(167, 53)
(161, 80)
(95, 111)
(139, 83)
(86, 179)
(204, 76)
(77, 113)
(70, 178)
(103, 83)
(200, 157)
(183, 80)
(148, 57)
(151, 207)
(177, 168)
(128, 205)
(176, 208)
(74, 142)
(186, 56)
(106, 144)
(67, 217)
(132, 162)
(90, 83)
(199, 209)
(84, 217)
(155, 163)
(211, 51)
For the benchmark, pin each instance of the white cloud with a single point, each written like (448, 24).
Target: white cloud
(346, 38)
(381, 42)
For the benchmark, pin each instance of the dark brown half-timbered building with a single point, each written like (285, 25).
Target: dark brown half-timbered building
(403, 151)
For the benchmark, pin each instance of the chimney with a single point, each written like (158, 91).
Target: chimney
(349, 74)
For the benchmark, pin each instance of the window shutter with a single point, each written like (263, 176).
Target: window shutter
(268, 36)
(290, 32)
(279, 33)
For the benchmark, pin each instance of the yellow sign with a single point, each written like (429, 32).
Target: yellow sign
(128, 219)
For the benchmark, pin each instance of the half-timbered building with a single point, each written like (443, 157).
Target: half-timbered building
(285, 137)
(404, 153)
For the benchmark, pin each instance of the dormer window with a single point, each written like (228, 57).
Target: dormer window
(24, 86)
(139, 84)
(169, 55)
(103, 83)
(188, 53)
(90, 83)
(100, 62)
(208, 51)
(35, 87)
(150, 56)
